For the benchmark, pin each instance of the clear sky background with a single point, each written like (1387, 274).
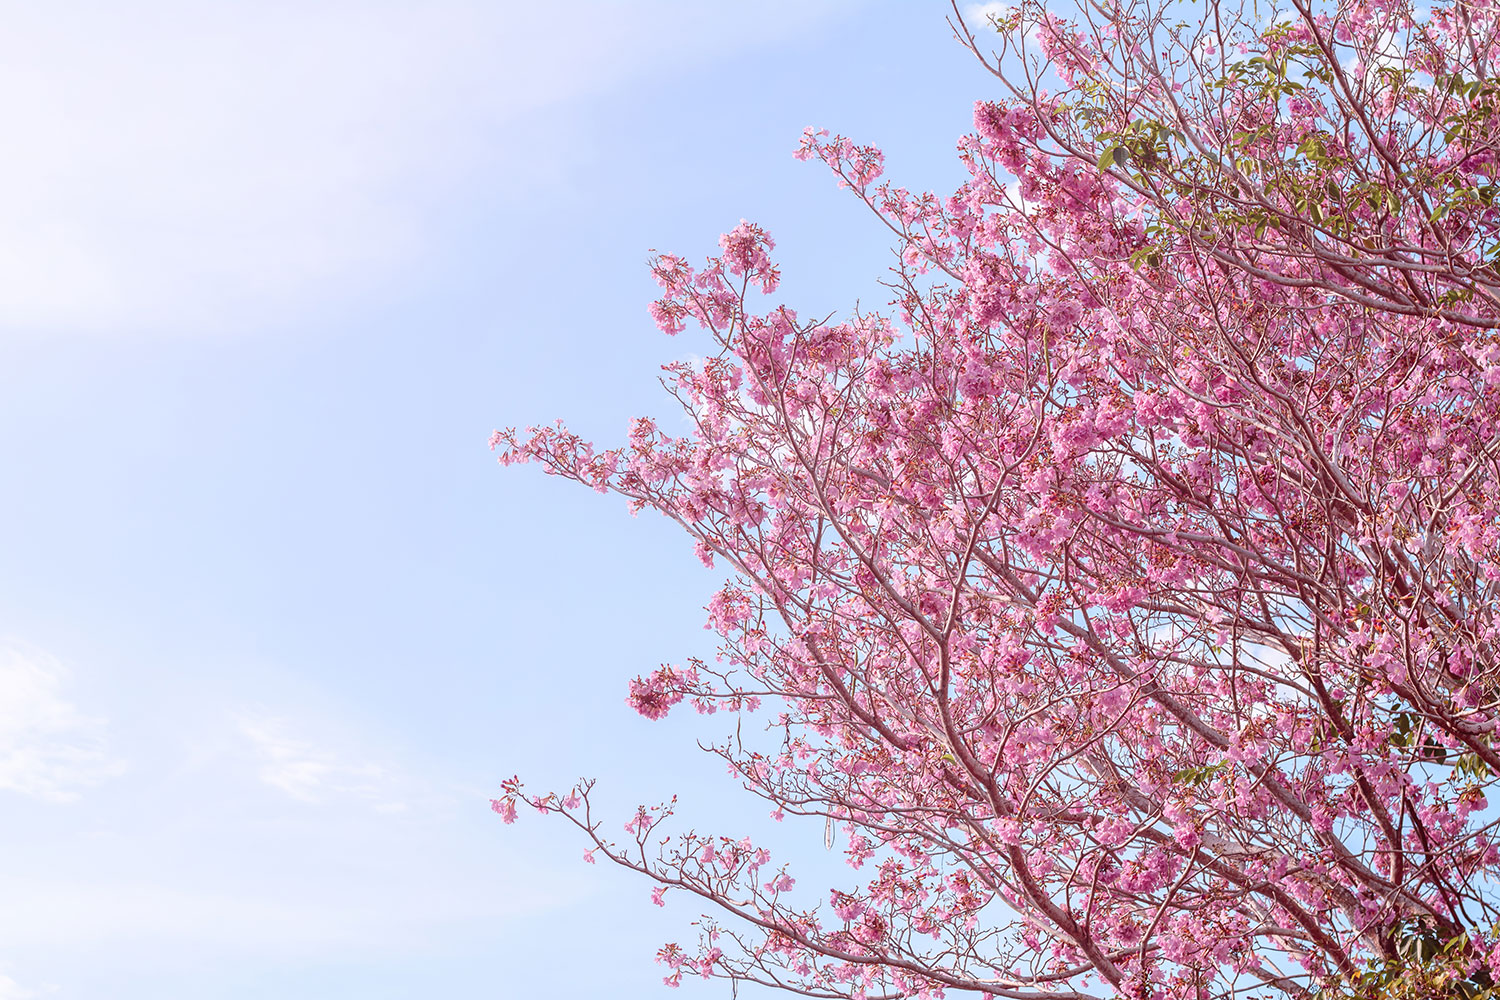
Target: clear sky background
(273, 625)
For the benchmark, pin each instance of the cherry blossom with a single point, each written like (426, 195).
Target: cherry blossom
(1124, 596)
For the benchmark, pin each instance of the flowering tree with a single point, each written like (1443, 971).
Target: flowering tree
(1126, 595)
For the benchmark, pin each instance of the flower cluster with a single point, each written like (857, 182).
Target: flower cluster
(1126, 596)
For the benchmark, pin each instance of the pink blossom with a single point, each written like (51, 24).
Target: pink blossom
(506, 807)
(1126, 588)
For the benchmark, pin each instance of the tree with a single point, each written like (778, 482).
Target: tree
(1127, 595)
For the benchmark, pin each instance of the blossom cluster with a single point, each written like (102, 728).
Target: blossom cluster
(1125, 597)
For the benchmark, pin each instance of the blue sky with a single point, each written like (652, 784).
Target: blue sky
(273, 625)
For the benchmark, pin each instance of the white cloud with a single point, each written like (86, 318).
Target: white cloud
(189, 167)
(978, 15)
(48, 749)
(312, 773)
(981, 17)
(210, 851)
(12, 990)
(1012, 192)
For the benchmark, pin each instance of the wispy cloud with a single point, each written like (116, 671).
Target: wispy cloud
(312, 773)
(225, 861)
(12, 990)
(191, 167)
(980, 15)
(48, 748)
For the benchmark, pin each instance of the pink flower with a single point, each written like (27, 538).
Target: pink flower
(506, 807)
(1151, 507)
(651, 699)
(654, 696)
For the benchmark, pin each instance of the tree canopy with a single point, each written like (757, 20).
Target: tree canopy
(1125, 594)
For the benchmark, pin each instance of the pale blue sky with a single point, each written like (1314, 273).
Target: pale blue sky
(273, 625)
